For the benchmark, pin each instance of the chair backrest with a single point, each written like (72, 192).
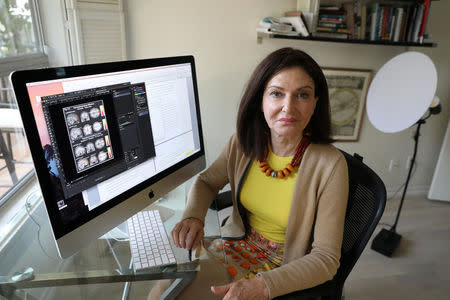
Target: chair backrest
(366, 202)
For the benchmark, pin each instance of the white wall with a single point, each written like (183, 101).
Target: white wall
(221, 35)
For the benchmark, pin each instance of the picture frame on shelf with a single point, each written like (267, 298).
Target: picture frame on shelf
(347, 89)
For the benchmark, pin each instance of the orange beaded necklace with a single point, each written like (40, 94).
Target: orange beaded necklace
(290, 167)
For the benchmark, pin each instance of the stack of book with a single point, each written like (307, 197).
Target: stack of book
(271, 25)
(332, 23)
(396, 23)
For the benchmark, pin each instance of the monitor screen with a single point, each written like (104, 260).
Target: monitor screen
(103, 134)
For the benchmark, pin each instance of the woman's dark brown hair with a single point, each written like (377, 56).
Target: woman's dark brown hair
(251, 126)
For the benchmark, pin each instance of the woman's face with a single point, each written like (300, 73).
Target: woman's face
(289, 102)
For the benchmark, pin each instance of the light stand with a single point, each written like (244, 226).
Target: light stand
(401, 93)
(386, 241)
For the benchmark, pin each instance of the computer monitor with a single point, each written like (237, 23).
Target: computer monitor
(107, 140)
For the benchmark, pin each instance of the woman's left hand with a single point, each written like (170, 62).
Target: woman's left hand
(254, 289)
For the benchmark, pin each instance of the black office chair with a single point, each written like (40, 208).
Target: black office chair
(366, 202)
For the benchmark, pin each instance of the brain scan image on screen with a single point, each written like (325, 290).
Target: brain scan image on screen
(102, 156)
(72, 119)
(99, 143)
(90, 147)
(75, 133)
(89, 135)
(87, 129)
(84, 116)
(82, 163)
(97, 126)
(94, 112)
(79, 151)
(93, 159)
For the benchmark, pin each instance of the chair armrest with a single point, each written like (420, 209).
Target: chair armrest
(223, 200)
(325, 289)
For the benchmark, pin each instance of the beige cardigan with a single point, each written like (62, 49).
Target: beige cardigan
(316, 218)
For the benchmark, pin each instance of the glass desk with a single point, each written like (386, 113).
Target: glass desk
(105, 260)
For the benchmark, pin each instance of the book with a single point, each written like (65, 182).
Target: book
(275, 25)
(357, 13)
(329, 9)
(308, 20)
(374, 12)
(338, 30)
(331, 16)
(307, 17)
(330, 35)
(389, 24)
(412, 17)
(362, 30)
(332, 24)
(271, 31)
(390, 37)
(406, 12)
(297, 23)
(336, 20)
(350, 18)
(399, 21)
(418, 23)
(378, 21)
(425, 33)
(383, 23)
(424, 19)
(393, 24)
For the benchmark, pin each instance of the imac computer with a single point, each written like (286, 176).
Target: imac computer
(109, 139)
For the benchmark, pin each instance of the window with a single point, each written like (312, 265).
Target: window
(94, 31)
(21, 47)
(16, 25)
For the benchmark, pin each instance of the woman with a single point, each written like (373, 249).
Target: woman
(289, 184)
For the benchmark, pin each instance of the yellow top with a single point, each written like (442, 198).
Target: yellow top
(267, 199)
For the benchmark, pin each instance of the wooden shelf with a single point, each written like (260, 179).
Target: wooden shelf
(348, 41)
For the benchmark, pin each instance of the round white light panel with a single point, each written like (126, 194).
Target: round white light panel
(401, 92)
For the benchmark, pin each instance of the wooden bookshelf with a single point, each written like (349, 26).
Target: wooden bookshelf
(261, 36)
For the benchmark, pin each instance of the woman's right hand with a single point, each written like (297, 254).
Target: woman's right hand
(187, 233)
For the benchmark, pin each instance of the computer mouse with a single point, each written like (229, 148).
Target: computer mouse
(24, 274)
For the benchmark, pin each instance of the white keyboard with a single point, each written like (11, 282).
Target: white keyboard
(149, 244)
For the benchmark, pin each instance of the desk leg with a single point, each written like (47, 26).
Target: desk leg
(13, 294)
(177, 286)
(8, 160)
(8, 138)
(126, 288)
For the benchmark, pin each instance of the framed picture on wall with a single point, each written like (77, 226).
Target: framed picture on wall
(348, 90)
